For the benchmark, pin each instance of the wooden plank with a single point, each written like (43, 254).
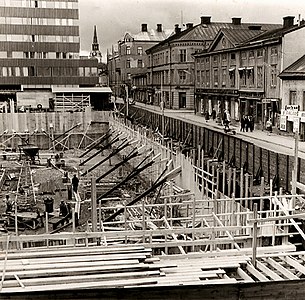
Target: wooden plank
(244, 275)
(256, 273)
(280, 268)
(295, 264)
(111, 257)
(81, 278)
(70, 252)
(68, 271)
(71, 265)
(268, 271)
(82, 285)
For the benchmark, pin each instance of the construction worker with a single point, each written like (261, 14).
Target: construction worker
(9, 204)
(63, 208)
(75, 181)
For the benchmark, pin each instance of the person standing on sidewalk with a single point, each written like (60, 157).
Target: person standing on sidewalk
(206, 115)
(213, 114)
(75, 181)
(269, 126)
(242, 123)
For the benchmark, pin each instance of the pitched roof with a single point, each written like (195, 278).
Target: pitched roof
(297, 69)
(235, 36)
(207, 32)
(151, 35)
(275, 33)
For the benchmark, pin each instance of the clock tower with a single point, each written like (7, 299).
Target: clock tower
(95, 51)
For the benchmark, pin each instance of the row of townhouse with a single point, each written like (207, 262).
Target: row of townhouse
(171, 74)
(240, 72)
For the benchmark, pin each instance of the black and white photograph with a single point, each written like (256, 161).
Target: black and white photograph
(152, 149)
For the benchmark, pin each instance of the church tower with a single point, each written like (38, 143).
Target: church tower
(95, 51)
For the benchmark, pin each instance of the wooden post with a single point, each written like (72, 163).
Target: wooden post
(262, 192)
(223, 177)
(241, 183)
(254, 241)
(93, 205)
(100, 215)
(229, 182)
(232, 210)
(246, 190)
(234, 181)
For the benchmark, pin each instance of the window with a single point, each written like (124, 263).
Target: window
(128, 50)
(33, 38)
(31, 71)
(207, 77)
(233, 56)
(182, 76)
(182, 55)
(25, 71)
(140, 63)
(293, 98)
(273, 51)
(232, 77)
(36, 3)
(215, 74)
(251, 54)
(224, 77)
(207, 60)
(259, 52)
(243, 55)
(242, 76)
(215, 60)
(259, 76)
(224, 57)
(250, 75)
(140, 50)
(128, 63)
(273, 72)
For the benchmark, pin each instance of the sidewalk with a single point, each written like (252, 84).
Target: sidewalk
(274, 142)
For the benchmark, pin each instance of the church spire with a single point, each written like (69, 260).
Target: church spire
(95, 51)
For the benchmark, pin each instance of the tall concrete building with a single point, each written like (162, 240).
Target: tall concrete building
(39, 50)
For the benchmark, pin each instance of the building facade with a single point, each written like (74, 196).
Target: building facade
(239, 72)
(128, 58)
(39, 48)
(171, 73)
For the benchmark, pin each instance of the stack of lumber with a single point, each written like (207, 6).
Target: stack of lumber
(76, 268)
(200, 271)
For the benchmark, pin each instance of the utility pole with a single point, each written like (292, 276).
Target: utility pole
(296, 124)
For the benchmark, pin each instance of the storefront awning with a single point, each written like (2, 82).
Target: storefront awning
(231, 69)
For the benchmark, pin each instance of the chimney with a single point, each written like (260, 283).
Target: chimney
(255, 27)
(189, 25)
(205, 20)
(177, 29)
(159, 27)
(236, 21)
(288, 21)
(144, 27)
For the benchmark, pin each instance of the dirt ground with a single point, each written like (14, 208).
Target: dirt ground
(48, 183)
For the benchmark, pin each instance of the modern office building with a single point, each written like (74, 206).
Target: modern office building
(39, 51)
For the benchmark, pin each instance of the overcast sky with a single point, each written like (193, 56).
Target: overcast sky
(114, 18)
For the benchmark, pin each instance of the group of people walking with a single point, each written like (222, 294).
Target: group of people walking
(247, 123)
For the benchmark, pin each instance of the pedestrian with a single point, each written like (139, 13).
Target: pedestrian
(63, 208)
(251, 123)
(207, 115)
(9, 204)
(247, 123)
(242, 123)
(213, 114)
(75, 181)
(269, 126)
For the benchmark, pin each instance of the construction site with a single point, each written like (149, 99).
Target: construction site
(185, 212)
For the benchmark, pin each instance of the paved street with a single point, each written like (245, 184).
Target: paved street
(278, 143)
